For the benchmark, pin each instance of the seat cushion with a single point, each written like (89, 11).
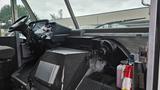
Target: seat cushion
(6, 52)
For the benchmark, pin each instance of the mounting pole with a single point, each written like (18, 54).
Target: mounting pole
(145, 4)
(72, 14)
(14, 18)
(14, 10)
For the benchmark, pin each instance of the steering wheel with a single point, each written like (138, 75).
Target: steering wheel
(19, 24)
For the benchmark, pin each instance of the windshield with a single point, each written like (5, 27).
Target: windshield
(90, 13)
(49, 9)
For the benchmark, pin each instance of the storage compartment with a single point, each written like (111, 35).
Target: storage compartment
(70, 66)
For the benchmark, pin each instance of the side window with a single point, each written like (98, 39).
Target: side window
(5, 17)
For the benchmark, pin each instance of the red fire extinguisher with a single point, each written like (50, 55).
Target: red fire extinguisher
(128, 76)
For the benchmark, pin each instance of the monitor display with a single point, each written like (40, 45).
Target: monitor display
(47, 72)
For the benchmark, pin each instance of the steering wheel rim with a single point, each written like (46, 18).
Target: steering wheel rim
(22, 20)
(26, 18)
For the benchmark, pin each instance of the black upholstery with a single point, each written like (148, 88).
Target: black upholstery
(6, 52)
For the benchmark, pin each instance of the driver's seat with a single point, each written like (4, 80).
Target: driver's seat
(6, 54)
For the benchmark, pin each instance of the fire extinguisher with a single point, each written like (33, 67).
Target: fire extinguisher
(128, 76)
